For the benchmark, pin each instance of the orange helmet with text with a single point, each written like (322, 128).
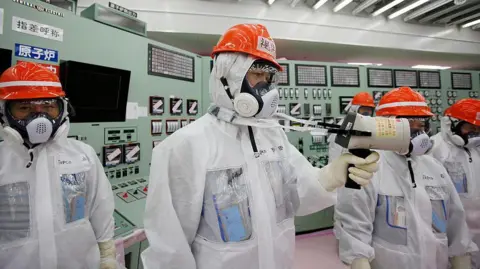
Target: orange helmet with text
(465, 110)
(28, 80)
(252, 39)
(403, 101)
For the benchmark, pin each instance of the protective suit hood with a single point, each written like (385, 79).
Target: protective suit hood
(234, 67)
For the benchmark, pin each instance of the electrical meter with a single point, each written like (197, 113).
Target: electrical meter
(438, 93)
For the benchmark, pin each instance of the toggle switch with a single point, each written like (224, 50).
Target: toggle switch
(172, 126)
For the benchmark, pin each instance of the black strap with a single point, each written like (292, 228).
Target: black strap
(469, 155)
(227, 88)
(252, 139)
(412, 176)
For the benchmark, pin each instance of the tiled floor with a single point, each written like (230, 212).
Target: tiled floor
(317, 251)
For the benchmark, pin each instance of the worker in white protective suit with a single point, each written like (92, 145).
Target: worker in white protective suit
(456, 148)
(362, 103)
(56, 205)
(224, 190)
(410, 216)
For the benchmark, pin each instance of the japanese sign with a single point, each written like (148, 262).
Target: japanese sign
(39, 8)
(35, 28)
(54, 68)
(122, 9)
(1, 21)
(36, 53)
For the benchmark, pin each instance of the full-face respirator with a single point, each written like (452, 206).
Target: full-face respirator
(470, 139)
(33, 121)
(259, 100)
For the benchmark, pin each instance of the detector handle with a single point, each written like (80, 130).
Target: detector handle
(361, 153)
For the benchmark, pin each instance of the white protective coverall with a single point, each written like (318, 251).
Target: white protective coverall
(45, 222)
(463, 166)
(214, 158)
(390, 223)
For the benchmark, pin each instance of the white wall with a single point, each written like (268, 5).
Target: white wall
(299, 23)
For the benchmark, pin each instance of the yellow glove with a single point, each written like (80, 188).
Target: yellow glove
(461, 262)
(360, 263)
(107, 255)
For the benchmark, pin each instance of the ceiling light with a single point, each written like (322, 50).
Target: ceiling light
(457, 14)
(386, 7)
(471, 23)
(436, 67)
(426, 9)
(363, 6)
(341, 5)
(270, 2)
(294, 3)
(319, 4)
(365, 64)
(407, 8)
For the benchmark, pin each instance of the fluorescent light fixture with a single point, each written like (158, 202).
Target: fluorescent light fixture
(365, 64)
(386, 7)
(471, 23)
(426, 9)
(407, 8)
(270, 2)
(435, 67)
(319, 3)
(341, 5)
(363, 6)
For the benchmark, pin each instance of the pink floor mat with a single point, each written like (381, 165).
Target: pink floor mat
(316, 251)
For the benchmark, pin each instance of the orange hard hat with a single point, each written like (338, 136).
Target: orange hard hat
(466, 110)
(252, 39)
(363, 99)
(403, 101)
(28, 80)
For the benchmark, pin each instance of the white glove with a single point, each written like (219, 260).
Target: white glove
(360, 263)
(334, 175)
(461, 262)
(107, 255)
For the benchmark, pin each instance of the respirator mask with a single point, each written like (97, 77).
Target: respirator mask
(420, 142)
(259, 95)
(470, 139)
(36, 120)
(473, 139)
